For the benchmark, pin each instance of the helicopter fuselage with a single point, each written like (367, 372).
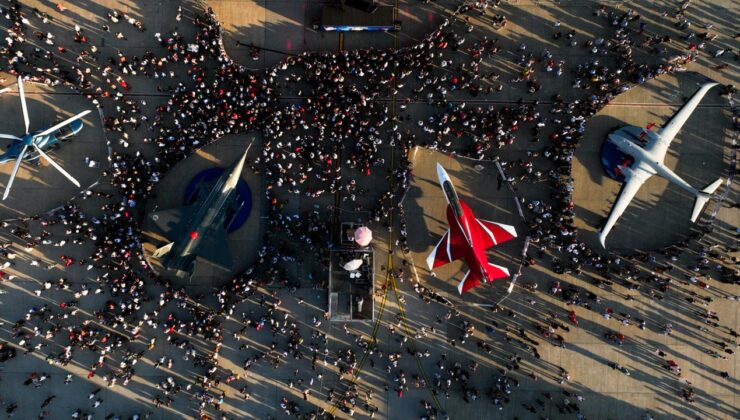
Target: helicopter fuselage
(58, 137)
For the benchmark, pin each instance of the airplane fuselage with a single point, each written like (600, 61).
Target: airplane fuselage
(474, 256)
(644, 158)
(210, 213)
(206, 217)
(460, 219)
(43, 142)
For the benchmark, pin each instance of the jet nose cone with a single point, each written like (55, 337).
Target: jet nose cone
(442, 174)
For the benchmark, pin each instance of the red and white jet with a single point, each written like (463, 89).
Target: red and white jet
(468, 238)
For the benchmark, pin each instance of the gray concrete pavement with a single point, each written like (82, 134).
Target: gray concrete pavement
(701, 153)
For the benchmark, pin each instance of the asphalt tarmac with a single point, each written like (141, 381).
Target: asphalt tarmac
(658, 217)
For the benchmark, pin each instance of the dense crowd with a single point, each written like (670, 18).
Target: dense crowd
(329, 142)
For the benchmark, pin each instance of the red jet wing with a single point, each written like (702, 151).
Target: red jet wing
(492, 233)
(485, 233)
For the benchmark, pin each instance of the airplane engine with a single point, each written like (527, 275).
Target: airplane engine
(626, 171)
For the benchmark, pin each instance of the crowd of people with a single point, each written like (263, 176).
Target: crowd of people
(333, 141)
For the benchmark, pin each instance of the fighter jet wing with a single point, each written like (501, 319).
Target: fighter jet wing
(214, 248)
(171, 222)
(492, 233)
(673, 126)
(448, 249)
(632, 184)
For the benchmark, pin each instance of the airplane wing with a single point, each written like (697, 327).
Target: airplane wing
(214, 248)
(630, 187)
(163, 250)
(673, 126)
(170, 221)
(448, 249)
(493, 233)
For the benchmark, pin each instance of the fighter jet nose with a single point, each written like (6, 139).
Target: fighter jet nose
(441, 173)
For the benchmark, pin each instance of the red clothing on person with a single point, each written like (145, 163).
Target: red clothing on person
(572, 317)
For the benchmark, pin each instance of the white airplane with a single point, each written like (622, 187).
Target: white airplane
(632, 155)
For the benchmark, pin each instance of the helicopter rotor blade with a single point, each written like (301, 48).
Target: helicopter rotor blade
(15, 171)
(23, 103)
(62, 124)
(56, 166)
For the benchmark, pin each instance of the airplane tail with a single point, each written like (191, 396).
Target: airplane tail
(187, 271)
(472, 279)
(496, 272)
(703, 197)
(159, 252)
(468, 282)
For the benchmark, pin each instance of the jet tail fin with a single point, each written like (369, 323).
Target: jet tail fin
(473, 279)
(703, 197)
(496, 272)
(159, 252)
(468, 282)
